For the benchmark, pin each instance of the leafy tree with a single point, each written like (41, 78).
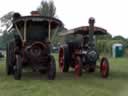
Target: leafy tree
(6, 20)
(5, 38)
(119, 38)
(47, 8)
(102, 37)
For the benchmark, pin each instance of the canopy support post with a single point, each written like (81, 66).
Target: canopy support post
(18, 31)
(49, 30)
(25, 29)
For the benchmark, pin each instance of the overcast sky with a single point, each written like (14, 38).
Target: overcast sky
(109, 14)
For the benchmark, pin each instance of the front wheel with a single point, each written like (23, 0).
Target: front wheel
(18, 68)
(52, 69)
(78, 67)
(104, 67)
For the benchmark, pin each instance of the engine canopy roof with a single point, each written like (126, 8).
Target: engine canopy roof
(84, 30)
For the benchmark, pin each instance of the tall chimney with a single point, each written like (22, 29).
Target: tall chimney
(35, 13)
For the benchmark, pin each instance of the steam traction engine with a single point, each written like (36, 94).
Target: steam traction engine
(31, 45)
(83, 54)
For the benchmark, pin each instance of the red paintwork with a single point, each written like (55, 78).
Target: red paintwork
(104, 67)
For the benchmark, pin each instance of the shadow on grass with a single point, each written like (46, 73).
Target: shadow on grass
(115, 74)
(59, 76)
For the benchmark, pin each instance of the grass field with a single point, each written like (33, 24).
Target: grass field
(33, 84)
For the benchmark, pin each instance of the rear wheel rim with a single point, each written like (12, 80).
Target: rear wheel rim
(104, 68)
(9, 66)
(7, 61)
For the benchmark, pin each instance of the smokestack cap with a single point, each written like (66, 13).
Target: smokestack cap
(91, 20)
(35, 13)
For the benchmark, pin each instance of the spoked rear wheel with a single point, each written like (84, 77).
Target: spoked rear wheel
(8, 61)
(64, 59)
(104, 67)
(10, 58)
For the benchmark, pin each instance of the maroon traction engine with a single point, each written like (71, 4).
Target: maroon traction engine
(31, 47)
(83, 55)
